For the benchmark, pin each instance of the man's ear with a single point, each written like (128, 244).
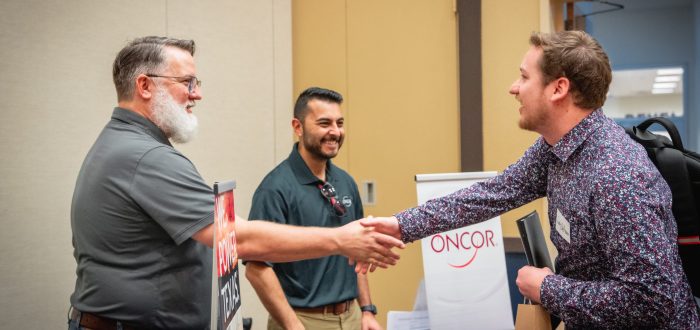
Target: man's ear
(297, 126)
(561, 88)
(144, 87)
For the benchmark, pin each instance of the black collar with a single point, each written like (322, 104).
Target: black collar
(136, 119)
(302, 171)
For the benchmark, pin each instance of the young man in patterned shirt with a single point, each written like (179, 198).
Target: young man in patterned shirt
(609, 208)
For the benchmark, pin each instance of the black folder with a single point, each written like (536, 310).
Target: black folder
(534, 243)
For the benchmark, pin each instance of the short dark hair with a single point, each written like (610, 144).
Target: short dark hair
(141, 56)
(578, 57)
(301, 107)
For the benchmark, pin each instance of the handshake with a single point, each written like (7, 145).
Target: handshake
(368, 243)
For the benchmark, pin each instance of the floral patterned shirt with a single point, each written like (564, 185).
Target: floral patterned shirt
(610, 212)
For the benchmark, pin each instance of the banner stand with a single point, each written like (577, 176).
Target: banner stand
(465, 269)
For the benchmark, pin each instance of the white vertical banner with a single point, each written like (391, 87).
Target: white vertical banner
(465, 269)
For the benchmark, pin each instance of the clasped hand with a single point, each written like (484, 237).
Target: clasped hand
(386, 231)
(367, 245)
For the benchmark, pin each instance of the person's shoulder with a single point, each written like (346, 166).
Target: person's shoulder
(617, 150)
(165, 158)
(343, 176)
(281, 175)
(619, 161)
(124, 143)
(341, 173)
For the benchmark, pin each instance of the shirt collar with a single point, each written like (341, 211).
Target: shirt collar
(135, 119)
(577, 135)
(302, 171)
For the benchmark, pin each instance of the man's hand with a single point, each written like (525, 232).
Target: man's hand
(369, 322)
(364, 244)
(386, 225)
(530, 280)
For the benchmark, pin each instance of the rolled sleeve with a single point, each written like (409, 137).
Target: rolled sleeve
(167, 186)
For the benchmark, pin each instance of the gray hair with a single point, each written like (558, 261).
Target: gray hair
(141, 56)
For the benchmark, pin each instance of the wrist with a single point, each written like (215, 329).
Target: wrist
(369, 309)
(336, 240)
(395, 221)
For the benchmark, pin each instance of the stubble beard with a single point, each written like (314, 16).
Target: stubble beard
(533, 118)
(316, 149)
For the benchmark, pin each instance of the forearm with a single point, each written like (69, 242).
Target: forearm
(479, 202)
(269, 290)
(369, 322)
(261, 240)
(519, 184)
(265, 241)
(606, 303)
(363, 296)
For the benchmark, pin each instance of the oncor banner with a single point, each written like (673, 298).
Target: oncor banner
(465, 269)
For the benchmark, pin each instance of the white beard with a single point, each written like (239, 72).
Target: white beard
(173, 118)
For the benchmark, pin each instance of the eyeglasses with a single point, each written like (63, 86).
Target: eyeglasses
(328, 191)
(192, 81)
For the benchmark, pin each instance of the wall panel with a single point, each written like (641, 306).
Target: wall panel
(58, 94)
(396, 64)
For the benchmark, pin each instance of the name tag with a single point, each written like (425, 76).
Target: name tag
(563, 227)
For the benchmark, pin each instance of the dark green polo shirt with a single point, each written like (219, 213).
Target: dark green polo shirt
(289, 194)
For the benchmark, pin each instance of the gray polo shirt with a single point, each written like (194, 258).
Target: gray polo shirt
(289, 194)
(137, 202)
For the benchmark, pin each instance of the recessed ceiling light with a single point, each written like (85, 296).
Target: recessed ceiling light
(667, 79)
(662, 91)
(665, 85)
(670, 71)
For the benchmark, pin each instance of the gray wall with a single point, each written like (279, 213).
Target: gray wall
(651, 33)
(55, 83)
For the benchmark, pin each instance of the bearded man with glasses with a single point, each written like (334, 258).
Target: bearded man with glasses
(142, 215)
(307, 189)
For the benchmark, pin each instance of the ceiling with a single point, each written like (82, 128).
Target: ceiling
(584, 7)
(627, 83)
(637, 82)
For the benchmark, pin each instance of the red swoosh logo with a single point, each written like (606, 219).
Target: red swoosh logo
(468, 261)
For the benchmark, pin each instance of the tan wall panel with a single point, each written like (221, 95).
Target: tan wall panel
(403, 96)
(56, 83)
(58, 94)
(319, 54)
(396, 64)
(506, 27)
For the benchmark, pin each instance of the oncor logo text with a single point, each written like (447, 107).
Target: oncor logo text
(467, 241)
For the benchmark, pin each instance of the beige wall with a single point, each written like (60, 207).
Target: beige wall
(396, 64)
(506, 27)
(57, 92)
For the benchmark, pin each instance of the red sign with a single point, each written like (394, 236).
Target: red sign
(229, 297)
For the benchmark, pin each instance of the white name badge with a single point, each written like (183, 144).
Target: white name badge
(563, 227)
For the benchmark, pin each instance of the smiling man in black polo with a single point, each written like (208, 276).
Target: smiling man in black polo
(308, 190)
